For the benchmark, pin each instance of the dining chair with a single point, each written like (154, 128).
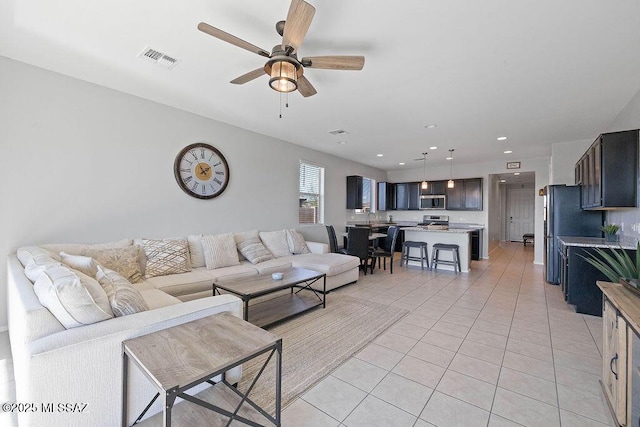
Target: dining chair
(358, 245)
(333, 240)
(387, 250)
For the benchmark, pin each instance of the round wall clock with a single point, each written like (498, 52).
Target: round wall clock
(201, 171)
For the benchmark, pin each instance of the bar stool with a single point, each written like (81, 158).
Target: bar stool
(406, 247)
(455, 250)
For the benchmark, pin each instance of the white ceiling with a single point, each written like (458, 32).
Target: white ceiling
(538, 72)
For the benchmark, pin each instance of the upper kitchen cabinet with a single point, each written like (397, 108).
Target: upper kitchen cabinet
(386, 196)
(608, 172)
(435, 188)
(407, 196)
(466, 195)
(414, 196)
(354, 192)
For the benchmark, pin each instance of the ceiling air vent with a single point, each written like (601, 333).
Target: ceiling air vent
(159, 58)
(338, 132)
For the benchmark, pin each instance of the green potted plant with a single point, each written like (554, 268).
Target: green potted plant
(618, 266)
(610, 232)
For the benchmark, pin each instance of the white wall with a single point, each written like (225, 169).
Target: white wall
(564, 156)
(82, 163)
(479, 170)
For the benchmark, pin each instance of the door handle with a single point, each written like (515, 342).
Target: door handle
(613, 359)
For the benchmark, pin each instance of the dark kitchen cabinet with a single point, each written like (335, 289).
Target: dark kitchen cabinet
(414, 196)
(609, 171)
(466, 195)
(386, 196)
(476, 245)
(435, 188)
(579, 280)
(354, 192)
(402, 196)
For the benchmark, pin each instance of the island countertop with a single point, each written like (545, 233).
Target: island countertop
(453, 236)
(449, 230)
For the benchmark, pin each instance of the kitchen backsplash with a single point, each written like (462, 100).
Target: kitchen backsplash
(629, 220)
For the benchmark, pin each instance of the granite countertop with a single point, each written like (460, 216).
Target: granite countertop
(596, 242)
(450, 230)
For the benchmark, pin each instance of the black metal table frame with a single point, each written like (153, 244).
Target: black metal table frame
(307, 286)
(170, 395)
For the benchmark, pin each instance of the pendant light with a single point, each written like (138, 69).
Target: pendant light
(425, 184)
(450, 183)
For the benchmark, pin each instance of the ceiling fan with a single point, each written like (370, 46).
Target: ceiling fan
(285, 70)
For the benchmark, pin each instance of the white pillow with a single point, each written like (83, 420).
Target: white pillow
(254, 250)
(123, 297)
(220, 251)
(196, 250)
(243, 237)
(84, 264)
(296, 242)
(276, 242)
(74, 298)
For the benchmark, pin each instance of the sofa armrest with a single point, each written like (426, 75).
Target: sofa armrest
(318, 248)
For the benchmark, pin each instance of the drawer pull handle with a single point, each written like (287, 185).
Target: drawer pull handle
(613, 359)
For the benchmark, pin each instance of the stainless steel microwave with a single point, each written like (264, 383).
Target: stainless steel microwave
(433, 202)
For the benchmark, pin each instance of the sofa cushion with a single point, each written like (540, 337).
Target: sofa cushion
(196, 280)
(276, 242)
(78, 248)
(166, 256)
(220, 251)
(234, 272)
(84, 264)
(35, 259)
(273, 265)
(254, 251)
(196, 250)
(155, 298)
(243, 236)
(74, 298)
(296, 242)
(330, 264)
(123, 298)
(124, 260)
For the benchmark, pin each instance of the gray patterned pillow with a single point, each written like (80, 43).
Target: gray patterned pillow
(123, 297)
(166, 256)
(254, 250)
(296, 242)
(123, 260)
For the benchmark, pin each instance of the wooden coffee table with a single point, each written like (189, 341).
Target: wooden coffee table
(179, 358)
(279, 308)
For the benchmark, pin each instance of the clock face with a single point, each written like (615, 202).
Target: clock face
(201, 171)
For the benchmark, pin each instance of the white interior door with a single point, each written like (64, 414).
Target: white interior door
(520, 212)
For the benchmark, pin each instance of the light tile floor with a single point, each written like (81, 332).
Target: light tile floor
(496, 347)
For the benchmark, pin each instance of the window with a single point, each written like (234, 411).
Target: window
(311, 203)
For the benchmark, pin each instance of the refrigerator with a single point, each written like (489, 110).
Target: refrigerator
(565, 217)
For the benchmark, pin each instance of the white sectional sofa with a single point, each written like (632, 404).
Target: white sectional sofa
(54, 364)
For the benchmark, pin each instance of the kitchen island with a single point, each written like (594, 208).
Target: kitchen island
(454, 236)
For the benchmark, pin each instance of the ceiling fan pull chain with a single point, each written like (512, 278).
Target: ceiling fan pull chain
(280, 104)
(287, 104)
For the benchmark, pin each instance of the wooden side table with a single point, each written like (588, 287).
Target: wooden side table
(181, 357)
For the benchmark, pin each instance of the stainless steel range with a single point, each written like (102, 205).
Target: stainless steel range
(442, 220)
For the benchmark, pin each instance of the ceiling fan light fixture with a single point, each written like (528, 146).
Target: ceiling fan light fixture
(283, 76)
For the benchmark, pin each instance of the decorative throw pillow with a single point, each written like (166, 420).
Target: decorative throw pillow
(220, 251)
(196, 251)
(166, 256)
(242, 236)
(123, 297)
(254, 250)
(296, 242)
(35, 259)
(74, 298)
(276, 242)
(84, 264)
(123, 260)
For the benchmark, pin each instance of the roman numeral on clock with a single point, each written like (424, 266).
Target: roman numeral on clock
(217, 181)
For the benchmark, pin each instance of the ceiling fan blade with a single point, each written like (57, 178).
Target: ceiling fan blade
(251, 75)
(305, 87)
(229, 38)
(334, 62)
(297, 23)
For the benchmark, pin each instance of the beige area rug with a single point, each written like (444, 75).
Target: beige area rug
(317, 342)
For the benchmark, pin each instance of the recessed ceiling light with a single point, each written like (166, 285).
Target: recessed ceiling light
(431, 126)
(502, 138)
(342, 142)
(402, 163)
(503, 180)
(433, 148)
(508, 152)
(449, 158)
(380, 155)
(516, 173)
